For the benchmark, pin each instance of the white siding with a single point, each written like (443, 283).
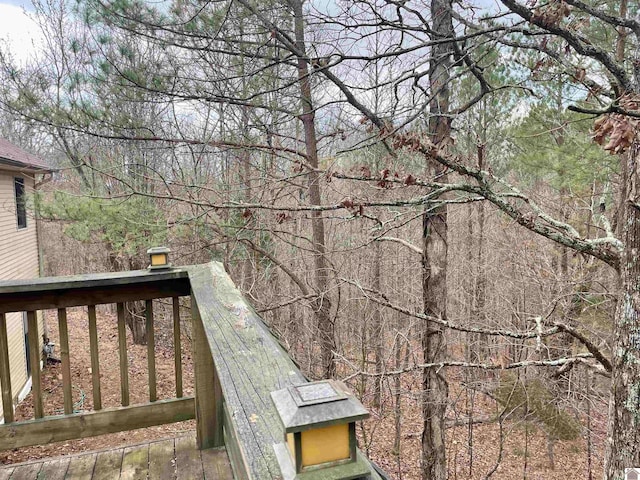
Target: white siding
(18, 260)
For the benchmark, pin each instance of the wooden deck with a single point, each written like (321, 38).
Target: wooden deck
(237, 361)
(174, 458)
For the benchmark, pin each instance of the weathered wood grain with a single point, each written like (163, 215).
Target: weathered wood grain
(234, 449)
(215, 464)
(162, 460)
(26, 472)
(95, 358)
(135, 463)
(151, 350)
(81, 467)
(250, 363)
(54, 469)
(177, 346)
(5, 372)
(93, 289)
(124, 359)
(66, 363)
(34, 359)
(155, 460)
(82, 425)
(5, 473)
(188, 460)
(209, 422)
(108, 465)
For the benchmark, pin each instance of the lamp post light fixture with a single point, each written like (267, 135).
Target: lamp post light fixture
(158, 258)
(319, 432)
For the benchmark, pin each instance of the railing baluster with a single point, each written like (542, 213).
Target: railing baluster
(64, 356)
(5, 372)
(95, 360)
(34, 359)
(177, 346)
(151, 347)
(124, 359)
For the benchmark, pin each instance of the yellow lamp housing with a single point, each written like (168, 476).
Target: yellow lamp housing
(319, 432)
(158, 258)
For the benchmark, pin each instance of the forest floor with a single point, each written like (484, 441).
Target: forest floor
(522, 453)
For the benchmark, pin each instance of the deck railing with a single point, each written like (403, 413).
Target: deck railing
(59, 294)
(237, 364)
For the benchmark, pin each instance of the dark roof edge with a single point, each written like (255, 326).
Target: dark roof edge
(24, 165)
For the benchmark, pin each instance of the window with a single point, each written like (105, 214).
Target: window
(21, 202)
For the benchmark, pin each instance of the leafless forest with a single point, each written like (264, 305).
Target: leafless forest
(436, 202)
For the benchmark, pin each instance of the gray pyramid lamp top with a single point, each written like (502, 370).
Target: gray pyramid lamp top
(317, 404)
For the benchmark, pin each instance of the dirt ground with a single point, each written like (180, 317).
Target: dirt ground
(53, 399)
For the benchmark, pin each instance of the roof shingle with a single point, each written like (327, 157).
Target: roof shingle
(14, 156)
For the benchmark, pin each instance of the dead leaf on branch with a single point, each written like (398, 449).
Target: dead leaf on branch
(620, 130)
(550, 14)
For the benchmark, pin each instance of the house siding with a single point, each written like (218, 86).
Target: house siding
(18, 260)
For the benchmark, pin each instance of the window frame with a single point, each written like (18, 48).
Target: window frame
(21, 202)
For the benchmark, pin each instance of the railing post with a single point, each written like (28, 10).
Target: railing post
(95, 359)
(151, 350)
(34, 358)
(66, 363)
(209, 408)
(124, 359)
(177, 346)
(5, 372)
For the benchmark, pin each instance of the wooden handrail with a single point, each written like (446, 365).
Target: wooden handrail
(95, 289)
(250, 363)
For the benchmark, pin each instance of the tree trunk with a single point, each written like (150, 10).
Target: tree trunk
(623, 439)
(434, 261)
(133, 311)
(377, 330)
(135, 320)
(322, 303)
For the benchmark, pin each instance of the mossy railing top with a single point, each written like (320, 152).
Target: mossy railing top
(237, 361)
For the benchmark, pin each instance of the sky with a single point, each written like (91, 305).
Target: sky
(17, 28)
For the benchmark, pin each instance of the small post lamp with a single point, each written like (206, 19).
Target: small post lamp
(158, 258)
(319, 432)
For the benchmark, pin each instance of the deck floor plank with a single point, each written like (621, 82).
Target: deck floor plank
(135, 463)
(215, 464)
(81, 467)
(54, 469)
(108, 465)
(168, 459)
(162, 460)
(26, 472)
(188, 459)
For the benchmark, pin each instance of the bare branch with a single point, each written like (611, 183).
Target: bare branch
(409, 245)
